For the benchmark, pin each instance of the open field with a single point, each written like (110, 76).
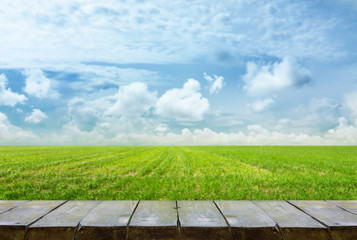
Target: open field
(178, 173)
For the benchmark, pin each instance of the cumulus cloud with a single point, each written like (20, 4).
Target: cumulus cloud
(10, 134)
(85, 114)
(38, 85)
(215, 82)
(261, 105)
(343, 134)
(183, 104)
(124, 131)
(132, 100)
(7, 97)
(265, 79)
(36, 116)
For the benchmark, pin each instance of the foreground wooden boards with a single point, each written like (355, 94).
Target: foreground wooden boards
(202, 220)
(193, 220)
(342, 224)
(107, 221)
(154, 220)
(61, 223)
(7, 205)
(14, 222)
(247, 221)
(350, 206)
(294, 224)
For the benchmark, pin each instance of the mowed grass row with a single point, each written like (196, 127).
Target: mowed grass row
(178, 173)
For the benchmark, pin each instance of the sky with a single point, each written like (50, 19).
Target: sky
(233, 72)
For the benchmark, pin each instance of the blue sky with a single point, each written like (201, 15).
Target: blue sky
(236, 72)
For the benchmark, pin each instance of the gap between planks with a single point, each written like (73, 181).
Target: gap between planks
(228, 228)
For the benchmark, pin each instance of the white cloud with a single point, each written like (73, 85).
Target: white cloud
(36, 116)
(93, 77)
(351, 102)
(38, 85)
(183, 104)
(265, 79)
(132, 100)
(10, 134)
(130, 103)
(343, 134)
(85, 114)
(76, 31)
(7, 97)
(161, 128)
(261, 105)
(215, 82)
(141, 131)
(318, 115)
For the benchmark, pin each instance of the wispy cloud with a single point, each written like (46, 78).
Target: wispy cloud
(215, 82)
(36, 116)
(261, 105)
(126, 32)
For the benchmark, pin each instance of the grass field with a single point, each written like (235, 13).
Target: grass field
(178, 173)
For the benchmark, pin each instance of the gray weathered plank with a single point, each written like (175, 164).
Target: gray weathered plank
(202, 220)
(107, 221)
(294, 224)
(342, 224)
(61, 223)
(6, 205)
(13, 223)
(350, 205)
(247, 221)
(154, 220)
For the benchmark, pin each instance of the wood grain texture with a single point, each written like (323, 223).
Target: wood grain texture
(350, 205)
(342, 224)
(196, 220)
(154, 220)
(247, 221)
(6, 205)
(108, 220)
(202, 220)
(294, 224)
(13, 223)
(61, 223)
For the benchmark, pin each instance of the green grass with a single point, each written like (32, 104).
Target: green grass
(177, 173)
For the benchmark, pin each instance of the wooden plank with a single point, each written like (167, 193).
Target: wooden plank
(154, 220)
(13, 223)
(202, 220)
(342, 224)
(6, 205)
(108, 220)
(61, 224)
(247, 221)
(294, 224)
(350, 205)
